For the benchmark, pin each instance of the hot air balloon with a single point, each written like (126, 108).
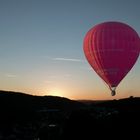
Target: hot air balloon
(111, 48)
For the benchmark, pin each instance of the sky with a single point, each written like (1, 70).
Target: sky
(41, 47)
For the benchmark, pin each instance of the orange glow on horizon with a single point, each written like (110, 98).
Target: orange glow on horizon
(55, 92)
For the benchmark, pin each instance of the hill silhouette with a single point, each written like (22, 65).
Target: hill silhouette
(21, 104)
(25, 116)
(19, 109)
(23, 100)
(112, 119)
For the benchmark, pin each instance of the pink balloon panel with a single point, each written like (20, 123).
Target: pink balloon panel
(112, 48)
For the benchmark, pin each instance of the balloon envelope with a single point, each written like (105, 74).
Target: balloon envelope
(112, 49)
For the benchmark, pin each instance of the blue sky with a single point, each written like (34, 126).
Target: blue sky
(41, 46)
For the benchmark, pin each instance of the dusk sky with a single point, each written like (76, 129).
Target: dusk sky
(41, 47)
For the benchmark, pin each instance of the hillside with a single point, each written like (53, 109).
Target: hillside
(30, 117)
(15, 105)
(23, 101)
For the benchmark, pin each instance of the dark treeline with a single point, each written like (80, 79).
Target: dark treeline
(27, 117)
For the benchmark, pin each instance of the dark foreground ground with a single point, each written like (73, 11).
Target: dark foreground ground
(26, 117)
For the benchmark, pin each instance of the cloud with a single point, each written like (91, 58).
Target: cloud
(10, 75)
(46, 57)
(67, 75)
(67, 59)
(48, 81)
(87, 68)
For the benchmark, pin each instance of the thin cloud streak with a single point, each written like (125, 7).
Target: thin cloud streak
(10, 75)
(67, 59)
